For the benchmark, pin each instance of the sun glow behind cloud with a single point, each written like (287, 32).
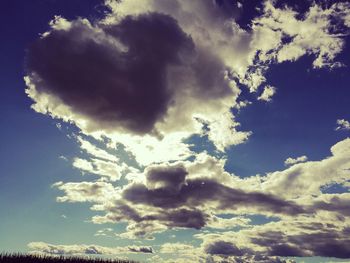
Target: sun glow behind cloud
(149, 76)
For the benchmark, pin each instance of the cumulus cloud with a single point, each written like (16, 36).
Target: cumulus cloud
(267, 93)
(203, 191)
(184, 82)
(95, 151)
(42, 247)
(104, 232)
(180, 253)
(227, 223)
(193, 194)
(86, 191)
(291, 161)
(283, 34)
(170, 248)
(108, 170)
(298, 237)
(173, 68)
(309, 177)
(127, 89)
(139, 91)
(224, 248)
(178, 195)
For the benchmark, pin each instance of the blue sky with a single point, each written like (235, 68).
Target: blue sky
(192, 165)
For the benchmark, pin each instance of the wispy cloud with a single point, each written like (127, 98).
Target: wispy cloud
(342, 125)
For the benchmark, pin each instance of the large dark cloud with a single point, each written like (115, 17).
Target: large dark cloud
(215, 11)
(224, 248)
(104, 82)
(124, 75)
(181, 217)
(165, 178)
(86, 249)
(231, 253)
(186, 218)
(224, 8)
(323, 242)
(339, 204)
(141, 249)
(92, 250)
(198, 192)
(171, 199)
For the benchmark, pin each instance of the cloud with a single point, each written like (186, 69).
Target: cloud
(104, 232)
(184, 82)
(141, 249)
(137, 230)
(316, 22)
(105, 169)
(319, 242)
(223, 248)
(309, 177)
(291, 161)
(203, 191)
(86, 191)
(342, 125)
(42, 247)
(177, 195)
(193, 194)
(227, 223)
(95, 151)
(139, 91)
(297, 237)
(153, 73)
(267, 93)
(337, 203)
(179, 253)
(282, 34)
(170, 178)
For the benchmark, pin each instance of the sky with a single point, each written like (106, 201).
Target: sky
(176, 131)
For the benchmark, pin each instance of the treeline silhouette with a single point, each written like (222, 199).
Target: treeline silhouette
(29, 258)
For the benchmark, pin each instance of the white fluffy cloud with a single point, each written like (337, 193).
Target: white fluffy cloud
(42, 247)
(202, 92)
(201, 96)
(291, 161)
(267, 93)
(324, 233)
(342, 125)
